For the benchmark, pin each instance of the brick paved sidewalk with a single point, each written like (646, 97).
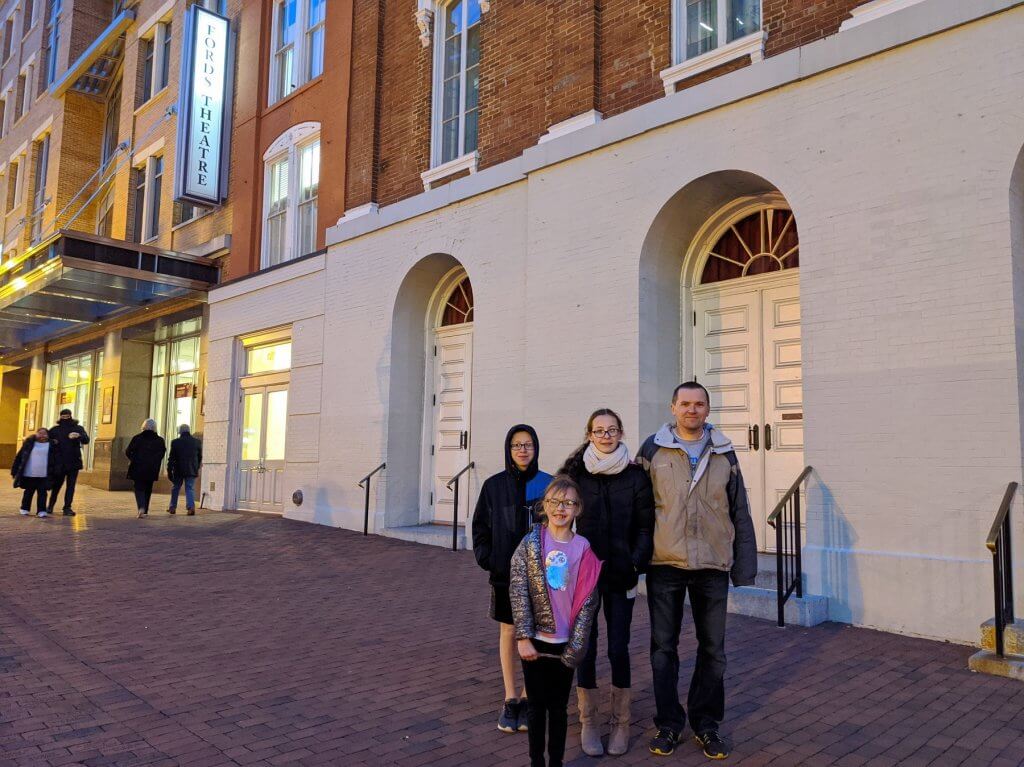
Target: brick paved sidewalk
(229, 639)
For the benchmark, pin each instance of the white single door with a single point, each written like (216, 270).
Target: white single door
(453, 365)
(261, 464)
(783, 444)
(728, 364)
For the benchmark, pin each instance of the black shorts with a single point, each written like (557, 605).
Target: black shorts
(501, 605)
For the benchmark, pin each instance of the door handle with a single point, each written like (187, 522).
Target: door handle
(767, 436)
(752, 437)
(463, 440)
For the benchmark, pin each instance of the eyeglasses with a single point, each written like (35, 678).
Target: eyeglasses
(517, 446)
(561, 503)
(602, 433)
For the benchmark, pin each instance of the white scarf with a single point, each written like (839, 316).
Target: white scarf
(606, 463)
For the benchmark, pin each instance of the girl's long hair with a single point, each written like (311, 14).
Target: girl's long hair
(573, 466)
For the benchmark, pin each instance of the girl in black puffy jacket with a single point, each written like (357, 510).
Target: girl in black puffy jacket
(619, 524)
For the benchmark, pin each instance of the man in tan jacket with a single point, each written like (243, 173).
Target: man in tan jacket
(702, 535)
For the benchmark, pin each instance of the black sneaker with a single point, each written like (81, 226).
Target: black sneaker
(664, 743)
(523, 725)
(713, 744)
(69, 513)
(508, 719)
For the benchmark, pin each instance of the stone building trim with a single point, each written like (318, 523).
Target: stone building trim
(593, 117)
(468, 161)
(751, 45)
(424, 17)
(875, 9)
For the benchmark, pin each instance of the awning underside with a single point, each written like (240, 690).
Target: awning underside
(73, 281)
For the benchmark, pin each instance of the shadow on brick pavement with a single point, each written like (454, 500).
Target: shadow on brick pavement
(238, 639)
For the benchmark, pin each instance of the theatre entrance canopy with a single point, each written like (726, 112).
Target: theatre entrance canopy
(73, 280)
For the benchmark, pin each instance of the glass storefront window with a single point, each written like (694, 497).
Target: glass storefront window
(269, 358)
(174, 392)
(74, 382)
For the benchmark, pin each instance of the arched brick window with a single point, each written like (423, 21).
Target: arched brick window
(459, 306)
(758, 243)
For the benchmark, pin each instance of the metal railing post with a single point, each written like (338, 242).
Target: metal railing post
(778, 574)
(365, 484)
(798, 541)
(455, 512)
(999, 542)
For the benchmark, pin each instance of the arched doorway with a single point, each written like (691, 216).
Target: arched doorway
(745, 322)
(449, 387)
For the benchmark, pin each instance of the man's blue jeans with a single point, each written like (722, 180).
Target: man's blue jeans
(709, 595)
(190, 492)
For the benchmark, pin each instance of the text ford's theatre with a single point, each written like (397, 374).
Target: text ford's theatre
(204, 108)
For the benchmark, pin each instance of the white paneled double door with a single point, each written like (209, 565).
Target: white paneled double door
(449, 422)
(748, 355)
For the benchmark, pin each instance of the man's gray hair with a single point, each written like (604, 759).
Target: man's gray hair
(184, 429)
(149, 425)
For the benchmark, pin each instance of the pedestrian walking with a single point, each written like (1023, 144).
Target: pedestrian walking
(145, 455)
(69, 437)
(183, 464)
(554, 600)
(35, 468)
(702, 534)
(619, 525)
(502, 517)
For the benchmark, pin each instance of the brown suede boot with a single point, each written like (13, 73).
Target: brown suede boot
(618, 741)
(590, 733)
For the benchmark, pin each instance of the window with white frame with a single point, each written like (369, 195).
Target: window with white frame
(29, 18)
(13, 178)
(39, 187)
(456, 81)
(8, 37)
(29, 90)
(147, 197)
(52, 41)
(105, 213)
(292, 183)
(298, 45)
(704, 25)
(156, 60)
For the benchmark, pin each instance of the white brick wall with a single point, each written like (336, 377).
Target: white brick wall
(898, 169)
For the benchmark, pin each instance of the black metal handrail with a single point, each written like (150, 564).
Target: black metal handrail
(788, 562)
(999, 543)
(365, 483)
(455, 507)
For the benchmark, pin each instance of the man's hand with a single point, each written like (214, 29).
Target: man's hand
(74, 435)
(526, 650)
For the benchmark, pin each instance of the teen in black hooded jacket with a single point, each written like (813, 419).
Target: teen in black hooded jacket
(502, 517)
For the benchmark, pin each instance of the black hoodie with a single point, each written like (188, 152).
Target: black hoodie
(503, 512)
(70, 449)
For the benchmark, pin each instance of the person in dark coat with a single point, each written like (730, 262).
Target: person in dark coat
(619, 523)
(183, 463)
(35, 468)
(70, 437)
(503, 516)
(145, 455)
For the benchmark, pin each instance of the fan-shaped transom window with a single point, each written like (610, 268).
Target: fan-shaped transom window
(459, 306)
(762, 242)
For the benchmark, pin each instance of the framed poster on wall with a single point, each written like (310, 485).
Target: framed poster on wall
(107, 414)
(30, 416)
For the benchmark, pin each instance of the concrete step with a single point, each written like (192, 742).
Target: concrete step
(767, 572)
(987, 662)
(1013, 637)
(809, 610)
(431, 535)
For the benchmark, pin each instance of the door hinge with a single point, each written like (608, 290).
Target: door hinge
(695, 319)
(695, 378)
(435, 350)
(431, 449)
(433, 400)
(431, 499)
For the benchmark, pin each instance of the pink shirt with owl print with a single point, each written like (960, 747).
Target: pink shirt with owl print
(561, 570)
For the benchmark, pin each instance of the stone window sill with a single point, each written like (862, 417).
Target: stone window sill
(466, 162)
(751, 45)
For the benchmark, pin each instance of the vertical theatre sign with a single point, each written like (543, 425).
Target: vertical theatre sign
(204, 109)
